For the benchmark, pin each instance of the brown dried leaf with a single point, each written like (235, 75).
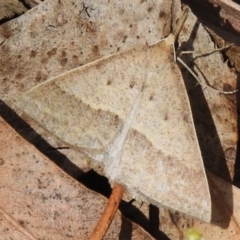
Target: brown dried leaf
(10, 8)
(223, 14)
(39, 201)
(222, 20)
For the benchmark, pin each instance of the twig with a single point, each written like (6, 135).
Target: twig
(109, 213)
(207, 53)
(204, 84)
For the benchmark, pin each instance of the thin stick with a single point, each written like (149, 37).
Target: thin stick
(207, 53)
(204, 84)
(108, 214)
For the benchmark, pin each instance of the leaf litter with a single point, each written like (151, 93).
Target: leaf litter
(36, 69)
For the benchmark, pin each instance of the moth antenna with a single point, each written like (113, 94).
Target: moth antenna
(180, 23)
(170, 40)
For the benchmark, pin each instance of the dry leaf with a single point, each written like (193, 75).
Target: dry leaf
(33, 3)
(11, 8)
(39, 201)
(224, 14)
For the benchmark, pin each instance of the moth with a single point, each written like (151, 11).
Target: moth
(130, 113)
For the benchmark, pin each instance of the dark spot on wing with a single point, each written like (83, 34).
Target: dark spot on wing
(166, 116)
(75, 60)
(162, 14)
(40, 77)
(149, 9)
(116, 120)
(32, 53)
(131, 85)
(64, 53)
(124, 39)
(63, 61)
(109, 82)
(151, 97)
(52, 52)
(95, 50)
(185, 117)
(19, 75)
(143, 87)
